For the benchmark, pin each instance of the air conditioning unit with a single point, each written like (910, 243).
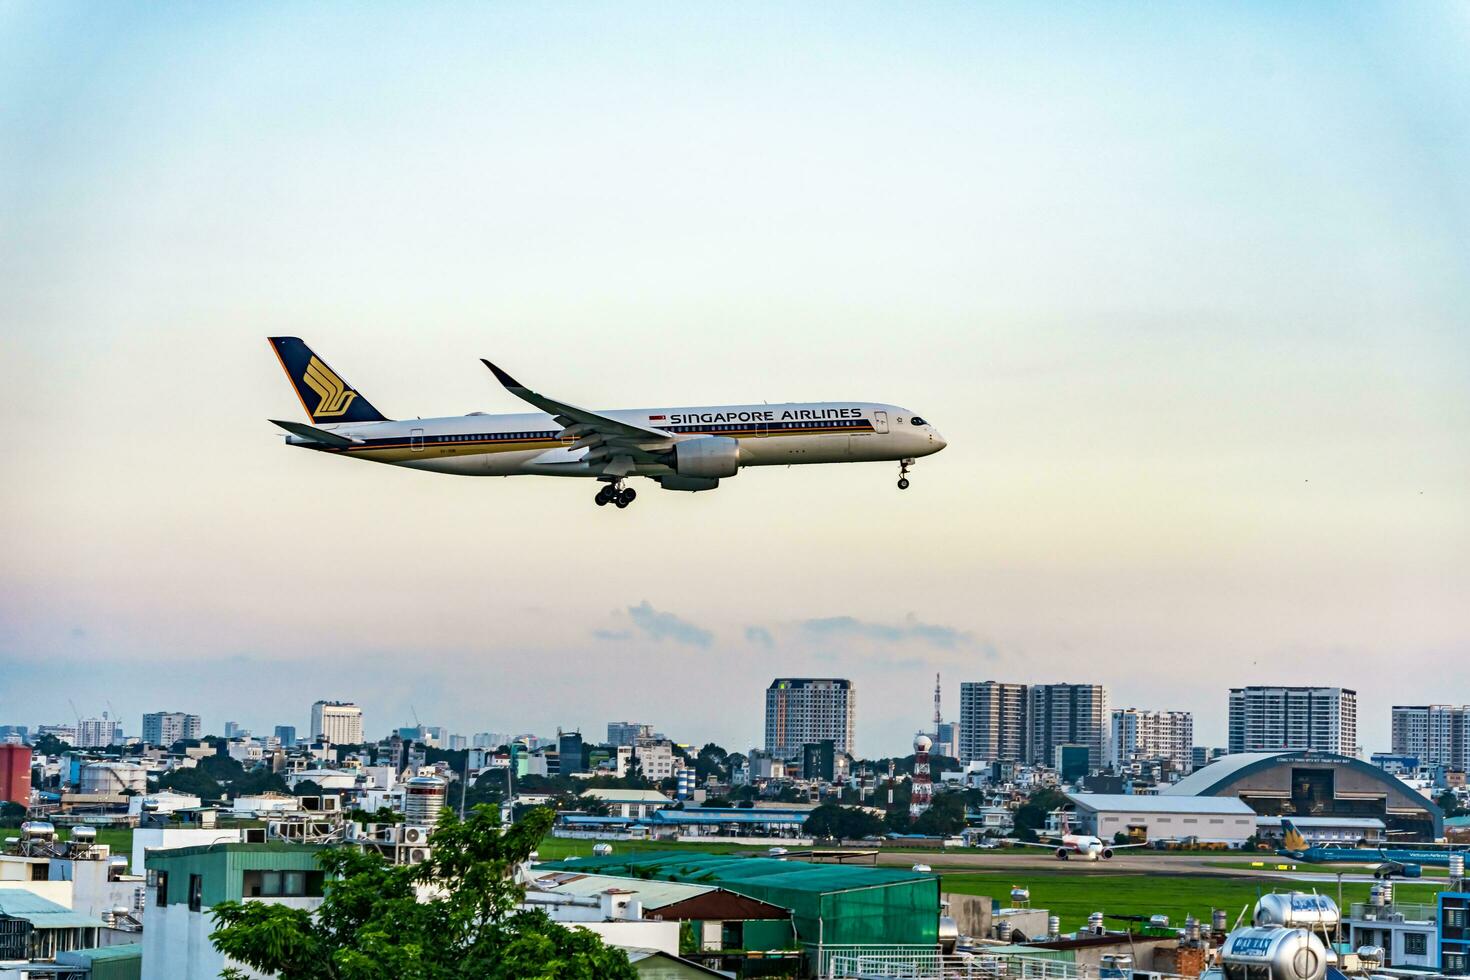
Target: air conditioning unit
(415, 835)
(418, 854)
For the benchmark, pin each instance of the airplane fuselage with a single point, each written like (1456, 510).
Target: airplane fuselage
(532, 443)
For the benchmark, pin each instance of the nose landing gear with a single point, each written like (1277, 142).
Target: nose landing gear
(903, 471)
(616, 494)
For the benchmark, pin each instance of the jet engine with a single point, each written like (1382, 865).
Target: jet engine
(692, 484)
(708, 457)
(1062, 853)
(1107, 854)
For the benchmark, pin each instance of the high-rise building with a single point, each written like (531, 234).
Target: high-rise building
(1277, 719)
(1139, 736)
(458, 743)
(95, 732)
(992, 722)
(1435, 734)
(627, 732)
(167, 727)
(233, 729)
(339, 722)
(287, 735)
(64, 733)
(569, 751)
(800, 710)
(490, 740)
(1067, 714)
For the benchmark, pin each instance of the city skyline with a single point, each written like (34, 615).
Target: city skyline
(1185, 295)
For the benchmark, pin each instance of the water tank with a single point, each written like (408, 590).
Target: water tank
(84, 835)
(37, 830)
(1288, 954)
(1219, 920)
(776, 852)
(1457, 865)
(601, 850)
(1053, 926)
(423, 800)
(1095, 924)
(1297, 909)
(1380, 895)
(1020, 895)
(921, 867)
(1370, 956)
(1159, 921)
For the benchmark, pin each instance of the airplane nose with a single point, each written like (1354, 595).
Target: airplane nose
(936, 440)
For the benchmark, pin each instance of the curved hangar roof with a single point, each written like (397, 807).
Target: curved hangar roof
(1251, 774)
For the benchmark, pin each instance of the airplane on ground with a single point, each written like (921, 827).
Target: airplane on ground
(687, 449)
(1295, 846)
(1085, 847)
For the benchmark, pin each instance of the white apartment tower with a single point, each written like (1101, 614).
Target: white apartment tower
(1067, 714)
(167, 727)
(992, 722)
(1277, 719)
(1435, 734)
(802, 710)
(339, 722)
(1139, 736)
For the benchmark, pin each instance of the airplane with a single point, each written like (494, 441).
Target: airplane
(689, 449)
(1294, 845)
(1083, 846)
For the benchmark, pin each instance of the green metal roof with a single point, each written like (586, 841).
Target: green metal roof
(723, 869)
(126, 951)
(18, 903)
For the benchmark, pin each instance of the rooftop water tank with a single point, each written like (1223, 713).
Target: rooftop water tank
(1287, 953)
(1297, 909)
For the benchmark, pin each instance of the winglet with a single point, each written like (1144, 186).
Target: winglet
(501, 376)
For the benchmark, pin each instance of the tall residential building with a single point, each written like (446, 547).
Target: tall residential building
(339, 722)
(287, 735)
(627, 732)
(1276, 719)
(1435, 734)
(1067, 714)
(992, 722)
(95, 732)
(167, 727)
(1139, 736)
(802, 710)
(569, 751)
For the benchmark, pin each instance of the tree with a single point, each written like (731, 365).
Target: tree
(945, 816)
(1450, 804)
(1031, 815)
(371, 924)
(842, 822)
(308, 787)
(193, 781)
(49, 744)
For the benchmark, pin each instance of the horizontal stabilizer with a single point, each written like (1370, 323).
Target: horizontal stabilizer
(312, 434)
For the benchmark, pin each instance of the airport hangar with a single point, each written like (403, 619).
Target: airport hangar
(1209, 820)
(1316, 784)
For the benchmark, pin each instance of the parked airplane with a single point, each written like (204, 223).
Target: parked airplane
(680, 448)
(1295, 846)
(1083, 846)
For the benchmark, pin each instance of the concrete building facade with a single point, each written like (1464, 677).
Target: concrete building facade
(167, 727)
(339, 722)
(1435, 734)
(992, 722)
(800, 710)
(1067, 714)
(1138, 736)
(1280, 719)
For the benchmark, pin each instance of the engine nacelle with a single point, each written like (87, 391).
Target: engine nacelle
(708, 457)
(1107, 853)
(693, 484)
(1063, 853)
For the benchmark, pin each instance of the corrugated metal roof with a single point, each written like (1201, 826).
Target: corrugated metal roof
(42, 913)
(1228, 805)
(627, 795)
(1367, 823)
(654, 894)
(126, 951)
(727, 870)
(1201, 780)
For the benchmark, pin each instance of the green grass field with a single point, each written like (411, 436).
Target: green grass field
(1075, 895)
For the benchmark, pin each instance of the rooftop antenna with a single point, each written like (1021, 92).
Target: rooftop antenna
(938, 718)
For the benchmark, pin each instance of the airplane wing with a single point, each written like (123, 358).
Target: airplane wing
(1022, 843)
(621, 446)
(1124, 847)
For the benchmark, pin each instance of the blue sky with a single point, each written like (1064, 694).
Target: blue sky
(1184, 288)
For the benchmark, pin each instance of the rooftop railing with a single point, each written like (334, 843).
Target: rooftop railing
(1397, 912)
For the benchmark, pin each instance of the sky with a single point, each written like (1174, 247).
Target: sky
(1183, 286)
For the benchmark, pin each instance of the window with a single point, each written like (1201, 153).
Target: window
(162, 888)
(196, 892)
(1415, 944)
(918, 421)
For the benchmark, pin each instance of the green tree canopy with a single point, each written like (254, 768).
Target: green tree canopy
(842, 822)
(945, 816)
(372, 925)
(192, 780)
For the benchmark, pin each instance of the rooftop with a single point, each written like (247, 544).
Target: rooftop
(1162, 804)
(627, 795)
(17, 903)
(733, 870)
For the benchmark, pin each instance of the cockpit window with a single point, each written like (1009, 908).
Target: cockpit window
(918, 421)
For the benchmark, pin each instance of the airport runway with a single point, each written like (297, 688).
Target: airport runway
(1164, 864)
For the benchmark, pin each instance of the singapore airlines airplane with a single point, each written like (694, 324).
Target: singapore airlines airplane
(680, 448)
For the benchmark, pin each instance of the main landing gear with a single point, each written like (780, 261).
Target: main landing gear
(615, 493)
(903, 473)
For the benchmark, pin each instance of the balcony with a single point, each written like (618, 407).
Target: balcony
(1397, 912)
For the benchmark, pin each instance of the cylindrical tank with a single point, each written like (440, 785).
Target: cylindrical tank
(949, 934)
(1095, 923)
(423, 800)
(1191, 929)
(1289, 954)
(37, 830)
(84, 835)
(1219, 920)
(1386, 890)
(1053, 926)
(1020, 895)
(1296, 909)
(1370, 956)
(1457, 865)
(1159, 921)
(601, 850)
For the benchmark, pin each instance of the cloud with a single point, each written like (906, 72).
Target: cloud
(664, 625)
(616, 635)
(760, 636)
(910, 630)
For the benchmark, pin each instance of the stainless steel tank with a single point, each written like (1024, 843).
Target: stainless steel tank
(1288, 953)
(1297, 909)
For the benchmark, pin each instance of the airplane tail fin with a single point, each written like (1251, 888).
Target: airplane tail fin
(323, 393)
(1291, 838)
